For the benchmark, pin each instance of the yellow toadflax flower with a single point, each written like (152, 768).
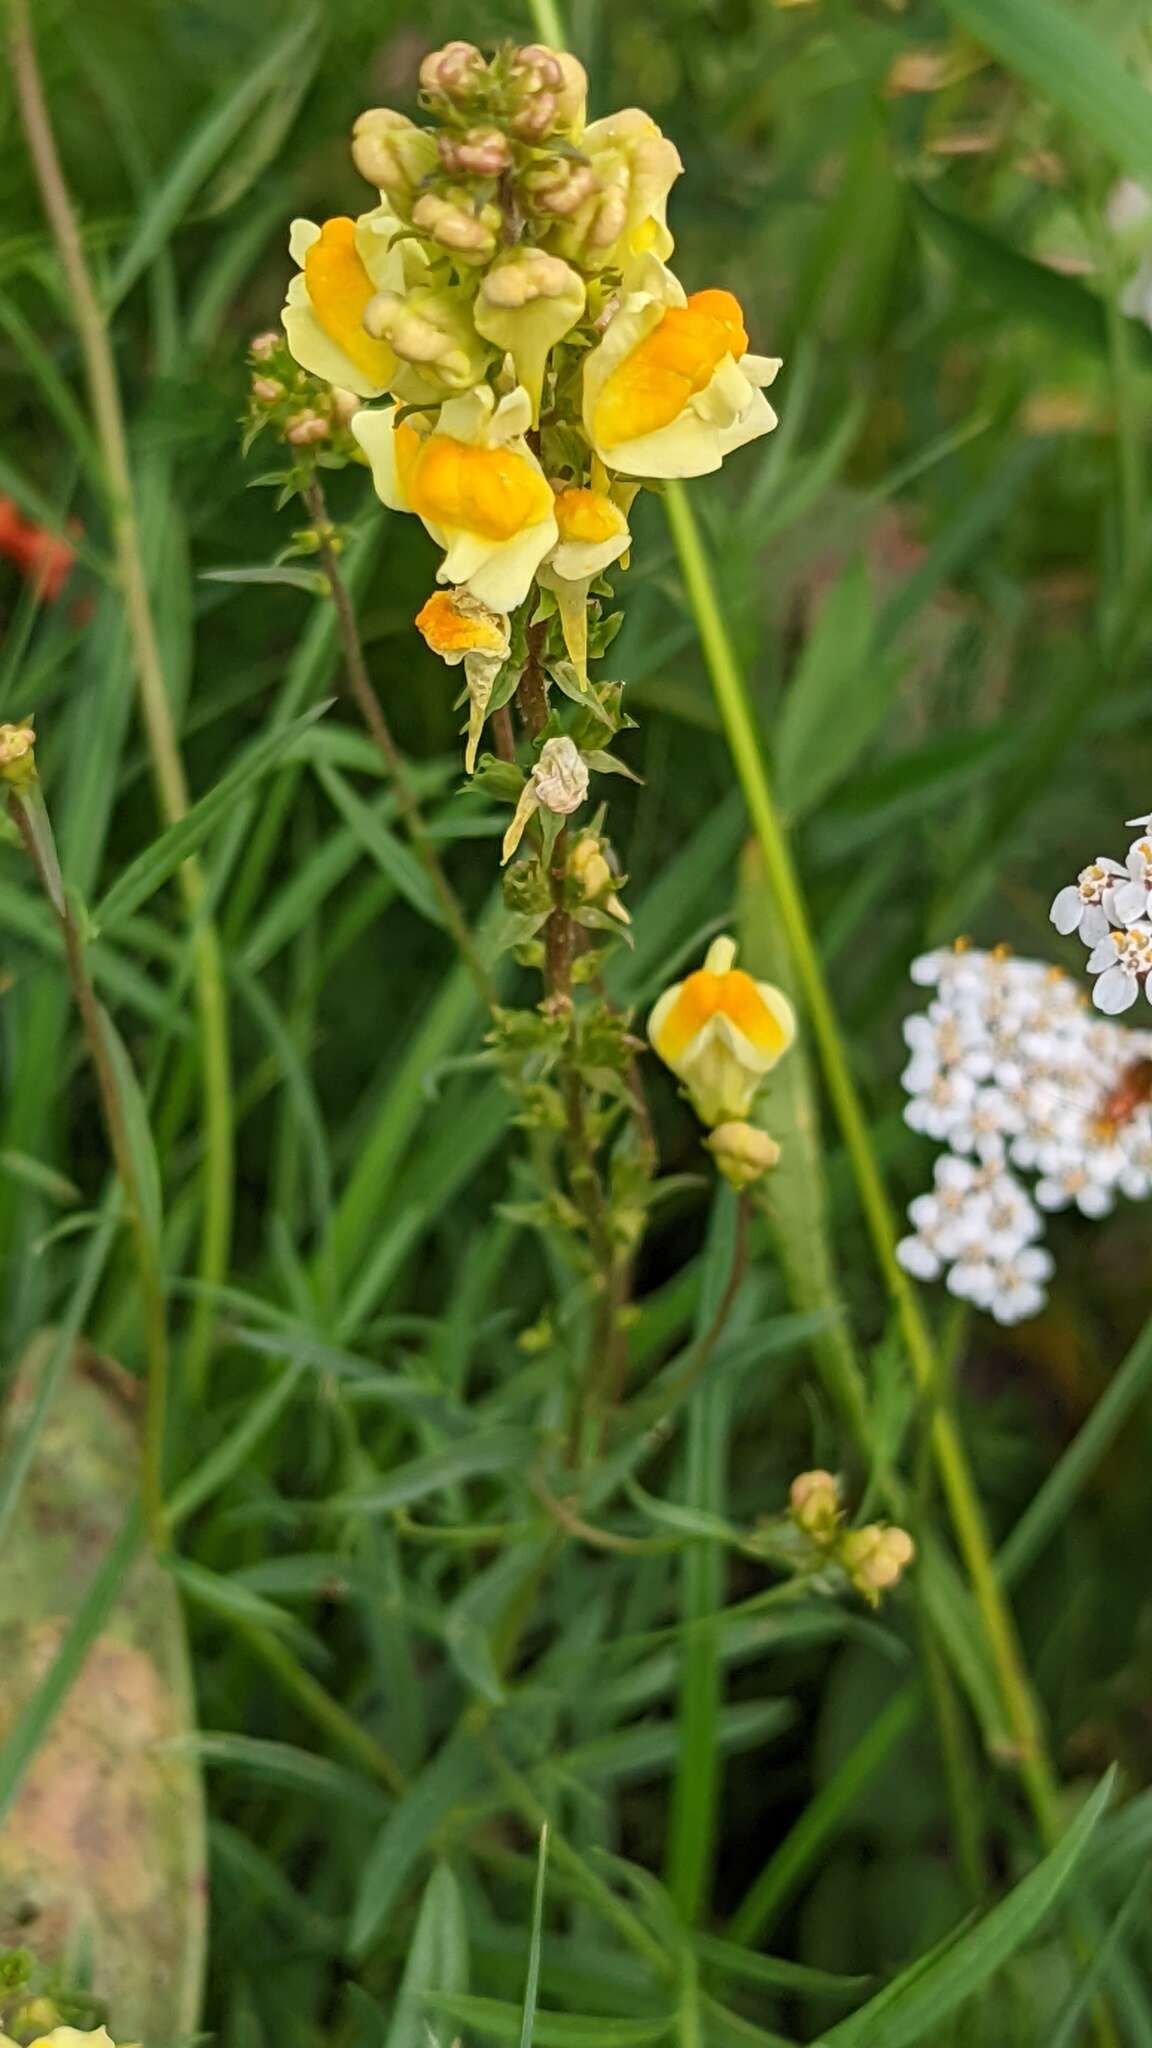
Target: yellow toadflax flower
(526, 304)
(670, 390)
(721, 1032)
(475, 483)
(593, 534)
(458, 628)
(342, 267)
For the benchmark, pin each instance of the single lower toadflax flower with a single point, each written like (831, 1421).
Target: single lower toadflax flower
(721, 1032)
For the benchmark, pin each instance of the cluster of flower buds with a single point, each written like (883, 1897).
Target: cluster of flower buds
(721, 1033)
(521, 362)
(872, 1558)
(1110, 906)
(1010, 1070)
(302, 410)
(18, 755)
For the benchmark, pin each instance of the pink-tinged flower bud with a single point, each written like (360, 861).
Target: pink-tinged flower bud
(456, 70)
(262, 346)
(457, 227)
(561, 188)
(875, 1558)
(538, 68)
(480, 153)
(814, 1503)
(305, 428)
(534, 119)
(267, 390)
(344, 404)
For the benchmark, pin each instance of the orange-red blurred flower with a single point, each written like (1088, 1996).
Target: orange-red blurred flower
(44, 558)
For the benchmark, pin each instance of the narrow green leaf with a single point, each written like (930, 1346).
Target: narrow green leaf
(1067, 58)
(840, 692)
(915, 2006)
(495, 2020)
(437, 1961)
(532, 1980)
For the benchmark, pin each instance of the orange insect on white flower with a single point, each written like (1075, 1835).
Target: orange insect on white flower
(721, 1032)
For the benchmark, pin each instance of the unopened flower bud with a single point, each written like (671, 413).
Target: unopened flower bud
(262, 346)
(742, 1152)
(306, 427)
(392, 152)
(875, 1557)
(537, 68)
(457, 227)
(481, 153)
(17, 755)
(455, 70)
(609, 219)
(594, 877)
(814, 1503)
(533, 120)
(267, 390)
(561, 188)
(344, 404)
(560, 776)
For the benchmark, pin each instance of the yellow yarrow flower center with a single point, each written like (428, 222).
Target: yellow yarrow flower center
(492, 492)
(733, 995)
(448, 630)
(653, 384)
(585, 515)
(339, 289)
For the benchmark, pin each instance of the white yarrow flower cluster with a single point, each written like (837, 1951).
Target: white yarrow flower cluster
(1109, 906)
(1011, 1072)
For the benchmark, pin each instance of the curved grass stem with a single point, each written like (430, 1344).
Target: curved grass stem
(163, 745)
(30, 816)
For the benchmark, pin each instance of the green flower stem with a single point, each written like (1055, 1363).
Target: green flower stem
(163, 746)
(948, 1450)
(30, 816)
(370, 709)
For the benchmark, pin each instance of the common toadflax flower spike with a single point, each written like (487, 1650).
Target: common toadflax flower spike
(526, 358)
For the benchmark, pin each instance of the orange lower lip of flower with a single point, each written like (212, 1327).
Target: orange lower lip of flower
(584, 515)
(339, 289)
(492, 492)
(449, 631)
(733, 995)
(653, 384)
